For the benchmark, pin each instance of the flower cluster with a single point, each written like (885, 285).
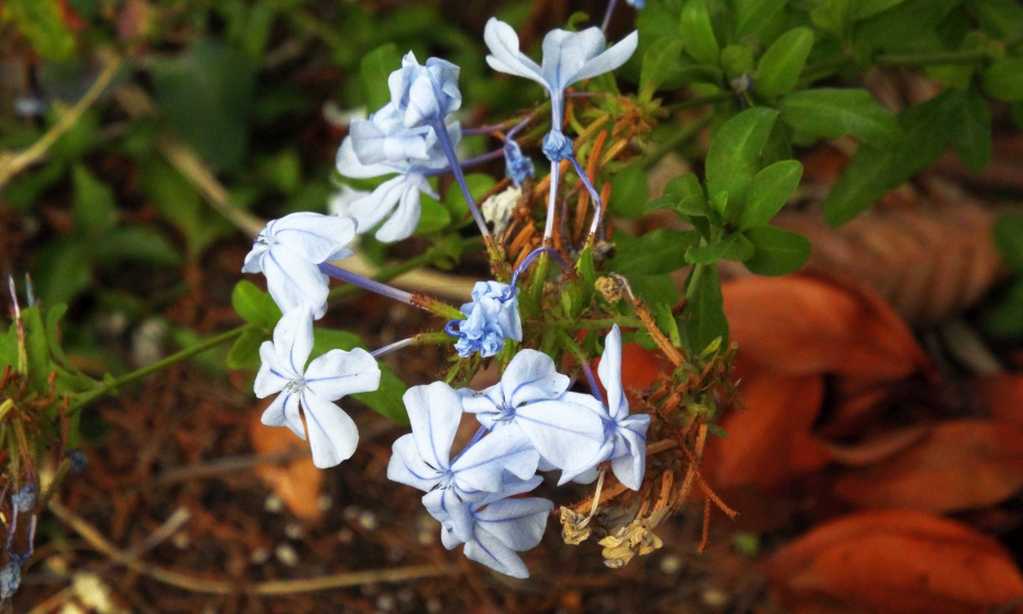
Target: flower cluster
(528, 421)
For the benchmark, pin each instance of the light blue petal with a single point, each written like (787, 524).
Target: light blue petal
(568, 435)
(372, 208)
(532, 376)
(314, 236)
(503, 43)
(293, 339)
(348, 163)
(452, 511)
(610, 372)
(408, 467)
(405, 217)
(283, 411)
(272, 376)
(488, 550)
(294, 282)
(333, 435)
(434, 411)
(482, 466)
(519, 524)
(339, 373)
(566, 53)
(629, 468)
(609, 60)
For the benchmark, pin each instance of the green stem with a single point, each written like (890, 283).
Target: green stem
(932, 59)
(111, 385)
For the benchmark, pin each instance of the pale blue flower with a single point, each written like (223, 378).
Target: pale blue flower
(24, 499)
(530, 402)
(625, 435)
(422, 458)
(10, 579)
(289, 250)
(568, 57)
(424, 93)
(382, 145)
(636, 4)
(491, 317)
(518, 167)
(309, 390)
(500, 526)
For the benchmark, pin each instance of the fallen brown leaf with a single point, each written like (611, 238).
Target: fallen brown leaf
(1002, 395)
(802, 324)
(960, 464)
(768, 437)
(297, 482)
(895, 561)
(877, 448)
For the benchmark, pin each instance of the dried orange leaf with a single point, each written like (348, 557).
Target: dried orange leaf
(961, 464)
(297, 481)
(896, 561)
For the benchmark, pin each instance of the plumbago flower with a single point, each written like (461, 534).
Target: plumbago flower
(530, 402)
(568, 57)
(491, 317)
(383, 145)
(422, 459)
(502, 526)
(311, 390)
(289, 250)
(624, 434)
(423, 94)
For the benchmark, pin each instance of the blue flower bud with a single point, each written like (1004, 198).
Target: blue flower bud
(10, 580)
(517, 166)
(557, 146)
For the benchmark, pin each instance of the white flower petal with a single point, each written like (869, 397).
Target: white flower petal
(609, 60)
(566, 434)
(283, 411)
(531, 376)
(294, 282)
(339, 373)
(434, 411)
(407, 466)
(488, 550)
(348, 163)
(503, 43)
(610, 372)
(517, 523)
(482, 466)
(565, 53)
(272, 376)
(314, 236)
(333, 435)
(405, 217)
(293, 338)
(369, 210)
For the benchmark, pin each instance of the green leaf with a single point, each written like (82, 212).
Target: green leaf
(178, 201)
(374, 69)
(684, 194)
(1003, 320)
(661, 64)
(832, 16)
(387, 399)
(737, 60)
(433, 216)
(657, 252)
(864, 9)
(734, 154)
(42, 23)
(705, 320)
(771, 189)
(697, 32)
(255, 306)
(1003, 18)
(206, 94)
(831, 113)
(874, 171)
(777, 251)
(752, 15)
(244, 352)
(1004, 79)
(783, 62)
(94, 209)
(1008, 237)
(136, 243)
(63, 270)
(629, 193)
(732, 247)
(970, 128)
(37, 349)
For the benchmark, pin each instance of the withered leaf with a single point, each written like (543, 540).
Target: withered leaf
(297, 481)
(895, 561)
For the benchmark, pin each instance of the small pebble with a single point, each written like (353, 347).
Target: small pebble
(434, 606)
(715, 598)
(670, 564)
(368, 520)
(386, 602)
(345, 535)
(273, 504)
(350, 513)
(286, 554)
(259, 556)
(324, 503)
(181, 540)
(294, 530)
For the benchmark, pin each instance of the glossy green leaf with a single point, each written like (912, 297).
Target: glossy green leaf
(374, 69)
(752, 15)
(136, 243)
(433, 216)
(734, 154)
(244, 352)
(63, 270)
(255, 306)
(864, 9)
(697, 32)
(657, 252)
(783, 62)
(737, 60)
(629, 192)
(970, 127)
(777, 251)
(684, 194)
(661, 64)
(731, 247)
(1004, 79)
(94, 209)
(705, 321)
(1008, 237)
(771, 189)
(833, 112)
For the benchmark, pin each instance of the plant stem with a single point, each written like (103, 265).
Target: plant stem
(932, 59)
(113, 384)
